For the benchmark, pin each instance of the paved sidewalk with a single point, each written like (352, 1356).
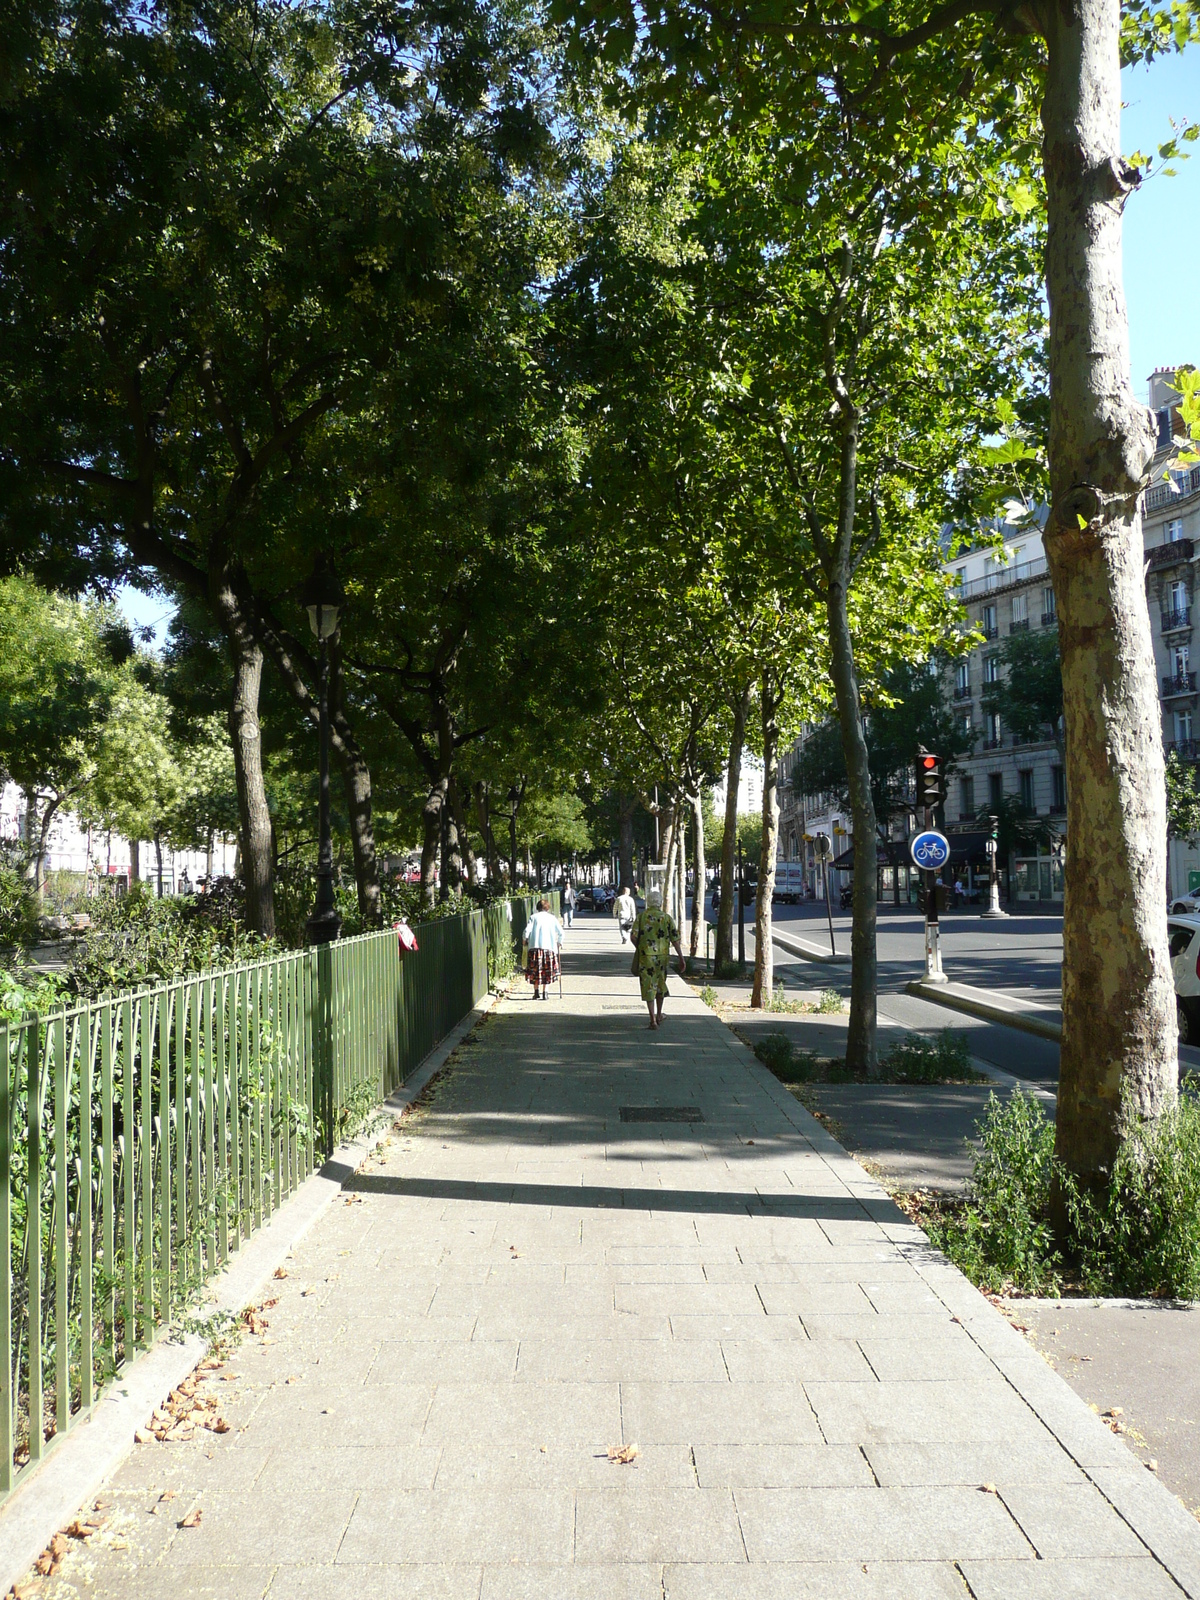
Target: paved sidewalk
(534, 1274)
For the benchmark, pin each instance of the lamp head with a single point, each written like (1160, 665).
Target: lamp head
(322, 598)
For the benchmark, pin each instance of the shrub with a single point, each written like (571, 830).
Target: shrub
(1141, 1234)
(19, 909)
(789, 1065)
(778, 1001)
(917, 1058)
(137, 939)
(830, 1000)
(1001, 1238)
(709, 995)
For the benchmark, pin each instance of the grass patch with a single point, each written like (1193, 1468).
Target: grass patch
(709, 995)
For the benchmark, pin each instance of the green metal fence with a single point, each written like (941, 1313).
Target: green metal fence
(144, 1137)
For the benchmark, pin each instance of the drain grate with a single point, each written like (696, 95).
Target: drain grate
(661, 1114)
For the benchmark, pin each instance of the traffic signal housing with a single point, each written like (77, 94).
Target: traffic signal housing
(931, 781)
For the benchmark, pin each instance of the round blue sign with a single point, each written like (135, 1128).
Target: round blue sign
(931, 850)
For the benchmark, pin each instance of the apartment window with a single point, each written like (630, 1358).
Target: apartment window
(991, 669)
(1173, 531)
(989, 622)
(960, 577)
(995, 789)
(1020, 608)
(1179, 656)
(1058, 788)
(966, 787)
(991, 730)
(962, 675)
(1025, 782)
(1049, 606)
(1183, 727)
(968, 727)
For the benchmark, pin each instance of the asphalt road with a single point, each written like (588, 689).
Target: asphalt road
(1022, 956)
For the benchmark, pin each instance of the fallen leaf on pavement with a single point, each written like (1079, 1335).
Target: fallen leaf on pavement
(192, 1520)
(1152, 1465)
(623, 1453)
(143, 1436)
(988, 1488)
(279, 1272)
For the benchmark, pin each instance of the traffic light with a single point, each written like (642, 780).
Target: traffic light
(931, 784)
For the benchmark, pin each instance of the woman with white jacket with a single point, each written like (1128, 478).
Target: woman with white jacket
(544, 936)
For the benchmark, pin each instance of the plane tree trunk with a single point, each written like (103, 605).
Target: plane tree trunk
(764, 965)
(1119, 1045)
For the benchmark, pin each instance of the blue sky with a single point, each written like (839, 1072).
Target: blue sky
(1162, 221)
(1162, 250)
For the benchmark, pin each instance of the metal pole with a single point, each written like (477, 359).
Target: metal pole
(324, 924)
(828, 907)
(933, 951)
(741, 872)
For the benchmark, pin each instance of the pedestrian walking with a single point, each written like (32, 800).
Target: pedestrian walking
(544, 937)
(653, 933)
(569, 903)
(625, 910)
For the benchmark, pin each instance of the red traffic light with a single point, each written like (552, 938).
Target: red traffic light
(929, 762)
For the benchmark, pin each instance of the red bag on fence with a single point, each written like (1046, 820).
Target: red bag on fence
(407, 938)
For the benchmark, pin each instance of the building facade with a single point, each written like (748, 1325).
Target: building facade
(1008, 591)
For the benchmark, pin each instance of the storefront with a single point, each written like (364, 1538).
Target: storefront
(1037, 877)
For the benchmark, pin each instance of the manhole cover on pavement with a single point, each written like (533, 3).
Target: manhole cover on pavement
(661, 1114)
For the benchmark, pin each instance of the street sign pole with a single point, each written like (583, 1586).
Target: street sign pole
(931, 852)
(933, 948)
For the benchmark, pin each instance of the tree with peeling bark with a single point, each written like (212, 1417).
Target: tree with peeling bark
(966, 64)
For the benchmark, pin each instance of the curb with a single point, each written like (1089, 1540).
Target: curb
(91, 1452)
(806, 951)
(957, 998)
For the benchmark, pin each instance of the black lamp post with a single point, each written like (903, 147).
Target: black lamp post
(322, 597)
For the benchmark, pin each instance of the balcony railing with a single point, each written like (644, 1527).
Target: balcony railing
(1176, 619)
(993, 744)
(1003, 578)
(1049, 619)
(1165, 555)
(1180, 683)
(1165, 494)
(1021, 625)
(962, 691)
(1185, 749)
(991, 632)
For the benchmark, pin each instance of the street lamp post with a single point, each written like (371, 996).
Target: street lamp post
(992, 846)
(741, 884)
(322, 597)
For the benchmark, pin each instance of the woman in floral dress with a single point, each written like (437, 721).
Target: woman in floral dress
(653, 933)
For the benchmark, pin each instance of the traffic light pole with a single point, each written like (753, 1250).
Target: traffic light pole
(933, 948)
(930, 794)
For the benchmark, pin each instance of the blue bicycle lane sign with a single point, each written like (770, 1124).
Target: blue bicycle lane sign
(930, 850)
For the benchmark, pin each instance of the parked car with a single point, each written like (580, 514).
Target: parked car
(600, 897)
(1186, 905)
(1184, 945)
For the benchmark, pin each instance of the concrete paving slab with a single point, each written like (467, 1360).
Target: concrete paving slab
(817, 1580)
(1069, 1580)
(817, 1399)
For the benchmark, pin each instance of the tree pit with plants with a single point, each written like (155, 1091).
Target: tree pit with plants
(914, 1059)
(1136, 1235)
